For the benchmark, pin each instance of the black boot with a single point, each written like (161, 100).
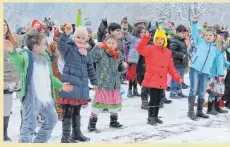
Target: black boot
(217, 107)
(227, 104)
(156, 116)
(113, 122)
(144, 98)
(164, 99)
(200, 106)
(6, 122)
(151, 114)
(211, 109)
(129, 94)
(135, 93)
(66, 124)
(191, 113)
(76, 130)
(92, 124)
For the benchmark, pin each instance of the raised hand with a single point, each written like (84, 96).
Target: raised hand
(8, 46)
(195, 18)
(79, 11)
(147, 34)
(67, 87)
(68, 28)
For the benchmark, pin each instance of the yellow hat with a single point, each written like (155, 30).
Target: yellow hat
(161, 34)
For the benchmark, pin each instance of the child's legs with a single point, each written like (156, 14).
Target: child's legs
(29, 119)
(194, 82)
(203, 83)
(154, 97)
(76, 110)
(130, 84)
(182, 73)
(95, 112)
(50, 117)
(114, 111)
(211, 97)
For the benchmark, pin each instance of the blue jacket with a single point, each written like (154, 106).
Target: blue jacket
(221, 63)
(77, 69)
(206, 53)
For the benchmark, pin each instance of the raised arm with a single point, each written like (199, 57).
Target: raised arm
(195, 34)
(143, 48)
(62, 41)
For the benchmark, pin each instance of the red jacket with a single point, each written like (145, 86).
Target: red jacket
(159, 62)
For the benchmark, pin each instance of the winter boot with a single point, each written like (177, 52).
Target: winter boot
(135, 93)
(217, 107)
(6, 122)
(76, 130)
(191, 113)
(211, 109)
(66, 124)
(156, 116)
(129, 94)
(164, 99)
(92, 124)
(151, 114)
(200, 106)
(144, 98)
(114, 123)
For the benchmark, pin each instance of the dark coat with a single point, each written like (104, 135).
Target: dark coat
(77, 70)
(179, 50)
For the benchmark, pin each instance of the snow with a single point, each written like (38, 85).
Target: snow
(177, 127)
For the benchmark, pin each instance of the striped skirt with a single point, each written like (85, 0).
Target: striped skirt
(110, 99)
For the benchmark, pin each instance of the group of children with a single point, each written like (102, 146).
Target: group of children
(103, 65)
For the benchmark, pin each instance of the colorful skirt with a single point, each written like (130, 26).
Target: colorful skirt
(107, 99)
(216, 86)
(72, 101)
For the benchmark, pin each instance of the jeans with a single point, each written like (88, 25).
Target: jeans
(176, 88)
(31, 107)
(198, 83)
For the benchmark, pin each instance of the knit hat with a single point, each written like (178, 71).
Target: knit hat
(81, 31)
(18, 29)
(41, 25)
(161, 34)
(86, 21)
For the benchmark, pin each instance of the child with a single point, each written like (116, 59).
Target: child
(108, 96)
(216, 84)
(200, 67)
(159, 62)
(37, 90)
(133, 57)
(77, 70)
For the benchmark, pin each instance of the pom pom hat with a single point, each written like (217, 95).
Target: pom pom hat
(161, 34)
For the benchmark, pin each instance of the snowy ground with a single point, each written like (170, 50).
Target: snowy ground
(176, 128)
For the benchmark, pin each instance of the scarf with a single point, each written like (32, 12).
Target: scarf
(82, 48)
(111, 52)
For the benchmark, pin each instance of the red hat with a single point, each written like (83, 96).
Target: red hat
(41, 25)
